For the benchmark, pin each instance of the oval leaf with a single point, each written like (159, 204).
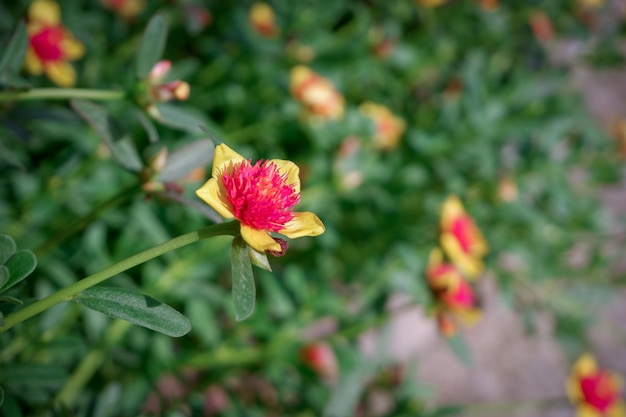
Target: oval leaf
(4, 275)
(178, 117)
(13, 56)
(152, 45)
(123, 150)
(185, 159)
(244, 291)
(136, 308)
(20, 266)
(7, 248)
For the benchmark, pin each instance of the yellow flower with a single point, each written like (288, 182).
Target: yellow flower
(591, 4)
(595, 392)
(263, 20)
(431, 3)
(461, 239)
(389, 128)
(126, 9)
(316, 93)
(261, 196)
(50, 45)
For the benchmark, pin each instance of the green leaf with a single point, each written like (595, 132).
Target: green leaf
(180, 118)
(136, 308)
(123, 150)
(7, 248)
(20, 266)
(152, 45)
(345, 396)
(1, 395)
(33, 375)
(4, 275)
(244, 291)
(259, 259)
(13, 57)
(460, 349)
(185, 159)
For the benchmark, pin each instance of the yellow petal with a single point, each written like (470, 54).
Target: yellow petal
(32, 62)
(468, 316)
(292, 171)
(61, 73)
(260, 240)
(45, 11)
(585, 365)
(223, 157)
(617, 410)
(303, 224)
(470, 265)
(435, 258)
(72, 48)
(213, 194)
(451, 209)
(572, 388)
(298, 75)
(584, 410)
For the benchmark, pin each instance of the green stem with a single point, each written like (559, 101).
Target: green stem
(67, 293)
(84, 221)
(62, 94)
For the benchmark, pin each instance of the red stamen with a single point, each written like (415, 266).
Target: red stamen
(47, 44)
(259, 195)
(599, 390)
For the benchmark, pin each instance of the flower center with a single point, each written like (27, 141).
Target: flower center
(259, 195)
(47, 44)
(599, 391)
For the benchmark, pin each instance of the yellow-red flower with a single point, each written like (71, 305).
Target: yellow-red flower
(126, 9)
(591, 4)
(263, 20)
(461, 239)
(389, 128)
(261, 196)
(454, 296)
(431, 3)
(316, 93)
(50, 45)
(541, 26)
(489, 5)
(595, 392)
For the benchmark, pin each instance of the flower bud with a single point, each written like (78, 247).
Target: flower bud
(320, 358)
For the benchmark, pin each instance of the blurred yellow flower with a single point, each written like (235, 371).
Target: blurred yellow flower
(489, 5)
(50, 45)
(595, 392)
(261, 196)
(389, 128)
(431, 3)
(591, 4)
(263, 20)
(461, 239)
(316, 93)
(126, 9)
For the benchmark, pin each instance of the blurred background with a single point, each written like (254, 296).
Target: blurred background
(388, 108)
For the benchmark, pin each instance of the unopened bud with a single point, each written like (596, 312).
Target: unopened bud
(283, 247)
(321, 358)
